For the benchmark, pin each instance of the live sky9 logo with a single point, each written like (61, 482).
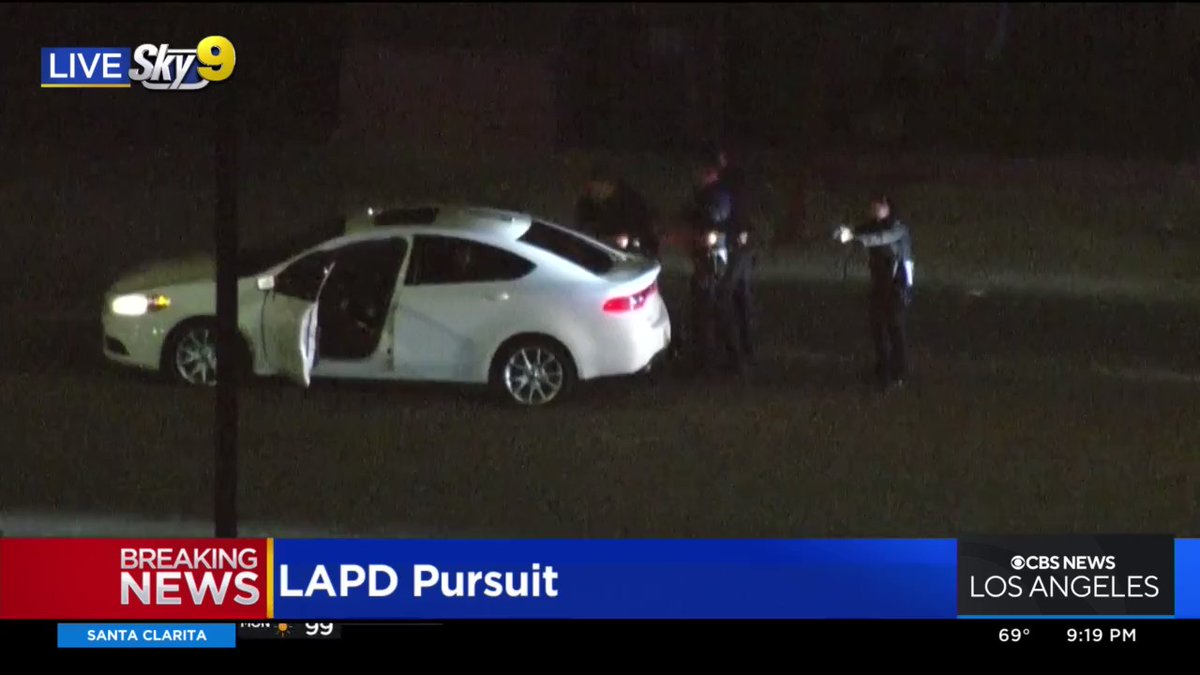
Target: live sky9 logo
(157, 66)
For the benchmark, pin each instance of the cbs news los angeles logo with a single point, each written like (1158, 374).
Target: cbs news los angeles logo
(156, 66)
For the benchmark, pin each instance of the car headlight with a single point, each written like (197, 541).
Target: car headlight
(137, 304)
(712, 238)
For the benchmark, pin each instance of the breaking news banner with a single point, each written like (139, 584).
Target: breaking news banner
(251, 593)
(139, 580)
(248, 580)
(606, 579)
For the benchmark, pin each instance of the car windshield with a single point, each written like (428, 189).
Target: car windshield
(570, 246)
(255, 259)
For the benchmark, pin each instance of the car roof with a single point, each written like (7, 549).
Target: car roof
(499, 227)
(480, 220)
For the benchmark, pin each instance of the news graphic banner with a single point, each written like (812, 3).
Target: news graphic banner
(1067, 576)
(626, 579)
(142, 580)
(147, 636)
(160, 67)
(250, 580)
(246, 580)
(1187, 579)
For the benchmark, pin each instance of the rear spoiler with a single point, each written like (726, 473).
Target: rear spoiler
(633, 274)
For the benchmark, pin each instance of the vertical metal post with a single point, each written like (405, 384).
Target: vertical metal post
(225, 233)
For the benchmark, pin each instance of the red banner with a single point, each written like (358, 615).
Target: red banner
(135, 579)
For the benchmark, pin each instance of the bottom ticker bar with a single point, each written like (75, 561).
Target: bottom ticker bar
(1012, 634)
(289, 630)
(1081, 617)
(146, 636)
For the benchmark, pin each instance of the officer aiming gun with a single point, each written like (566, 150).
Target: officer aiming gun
(889, 254)
(714, 331)
(615, 213)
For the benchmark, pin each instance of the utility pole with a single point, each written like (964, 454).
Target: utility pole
(225, 234)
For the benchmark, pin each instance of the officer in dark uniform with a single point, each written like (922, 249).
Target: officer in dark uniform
(889, 247)
(713, 332)
(609, 208)
(741, 254)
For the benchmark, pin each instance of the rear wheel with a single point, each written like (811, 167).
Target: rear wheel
(532, 372)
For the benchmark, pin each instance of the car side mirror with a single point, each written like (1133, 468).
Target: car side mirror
(266, 283)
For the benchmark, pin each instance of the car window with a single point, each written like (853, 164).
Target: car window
(569, 246)
(367, 268)
(302, 279)
(451, 260)
(362, 266)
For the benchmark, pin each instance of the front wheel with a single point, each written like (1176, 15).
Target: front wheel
(532, 372)
(190, 354)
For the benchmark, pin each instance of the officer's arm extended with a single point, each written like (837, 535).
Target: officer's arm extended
(886, 237)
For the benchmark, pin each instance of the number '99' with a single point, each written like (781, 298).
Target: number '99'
(322, 629)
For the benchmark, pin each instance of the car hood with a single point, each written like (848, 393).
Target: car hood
(156, 274)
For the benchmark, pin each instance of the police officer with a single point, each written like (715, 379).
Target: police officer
(741, 254)
(889, 247)
(713, 333)
(609, 208)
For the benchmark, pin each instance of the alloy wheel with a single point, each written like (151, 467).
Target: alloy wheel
(196, 357)
(534, 376)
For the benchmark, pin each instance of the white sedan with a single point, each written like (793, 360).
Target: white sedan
(438, 294)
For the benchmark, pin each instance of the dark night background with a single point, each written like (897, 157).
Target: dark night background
(1046, 156)
(1008, 78)
(340, 96)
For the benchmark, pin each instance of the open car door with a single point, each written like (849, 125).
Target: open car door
(289, 325)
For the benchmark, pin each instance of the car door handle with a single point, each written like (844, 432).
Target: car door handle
(497, 297)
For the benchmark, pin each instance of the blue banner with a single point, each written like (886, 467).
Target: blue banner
(84, 67)
(622, 579)
(146, 636)
(1187, 578)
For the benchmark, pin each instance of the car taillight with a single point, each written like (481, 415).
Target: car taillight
(630, 303)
